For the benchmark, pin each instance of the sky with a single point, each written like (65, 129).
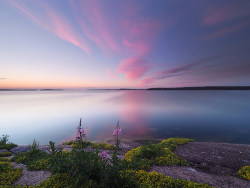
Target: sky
(124, 44)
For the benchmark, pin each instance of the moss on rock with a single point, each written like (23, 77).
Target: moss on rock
(7, 174)
(145, 179)
(160, 154)
(244, 172)
(5, 154)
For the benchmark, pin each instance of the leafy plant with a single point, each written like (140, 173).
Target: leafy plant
(153, 179)
(53, 150)
(4, 159)
(159, 154)
(31, 159)
(4, 139)
(4, 144)
(83, 168)
(5, 154)
(7, 174)
(34, 146)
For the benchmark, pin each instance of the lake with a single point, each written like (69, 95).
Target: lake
(219, 116)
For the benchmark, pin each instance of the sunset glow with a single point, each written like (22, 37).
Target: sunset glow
(124, 44)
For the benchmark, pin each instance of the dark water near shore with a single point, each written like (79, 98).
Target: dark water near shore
(220, 116)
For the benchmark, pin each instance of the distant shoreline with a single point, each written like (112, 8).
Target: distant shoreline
(162, 88)
(31, 89)
(205, 88)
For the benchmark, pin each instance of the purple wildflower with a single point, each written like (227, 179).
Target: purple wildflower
(104, 155)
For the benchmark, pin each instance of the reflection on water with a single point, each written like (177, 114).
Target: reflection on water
(221, 116)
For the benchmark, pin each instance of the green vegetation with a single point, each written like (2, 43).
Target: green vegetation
(244, 172)
(159, 154)
(92, 145)
(4, 159)
(7, 174)
(81, 168)
(5, 154)
(35, 159)
(4, 144)
(153, 179)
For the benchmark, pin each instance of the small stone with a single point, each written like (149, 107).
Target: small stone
(192, 169)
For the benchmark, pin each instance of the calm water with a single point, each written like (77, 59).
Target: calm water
(221, 116)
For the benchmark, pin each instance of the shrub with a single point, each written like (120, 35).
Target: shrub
(5, 154)
(159, 154)
(53, 150)
(34, 159)
(8, 146)
(173, 143)
(91, 144)
(42, 164)
(153, 179)
(34, 145)
(244, 172)
(4, 143)
(169, 159)
(102, 146)
(7, 174)
(4, 159)
(68, 143)
(57, 180)
(4, 139)
(81, 165)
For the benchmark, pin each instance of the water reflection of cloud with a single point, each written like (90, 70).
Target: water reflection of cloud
(134, 113)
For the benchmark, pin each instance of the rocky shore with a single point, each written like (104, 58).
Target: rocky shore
(213, 163)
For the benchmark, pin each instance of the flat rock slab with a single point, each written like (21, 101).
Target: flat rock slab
(30, 177)
(191, 174)
(46, 148)
(3, 150)
(19, 149)
(218, 158)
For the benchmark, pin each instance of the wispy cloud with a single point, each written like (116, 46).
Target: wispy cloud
(177, 71)
(45, 16)
(133, 68)
(139, 35)
(94, 23)
(227, 30)
(3, 78)
(224, 12)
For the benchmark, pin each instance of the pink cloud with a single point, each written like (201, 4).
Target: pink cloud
(227, 30)
(95, 23)
(52, 21)
(147, 81)
(225, 12)
(140, 47)
(139, 36)
(133, 68)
